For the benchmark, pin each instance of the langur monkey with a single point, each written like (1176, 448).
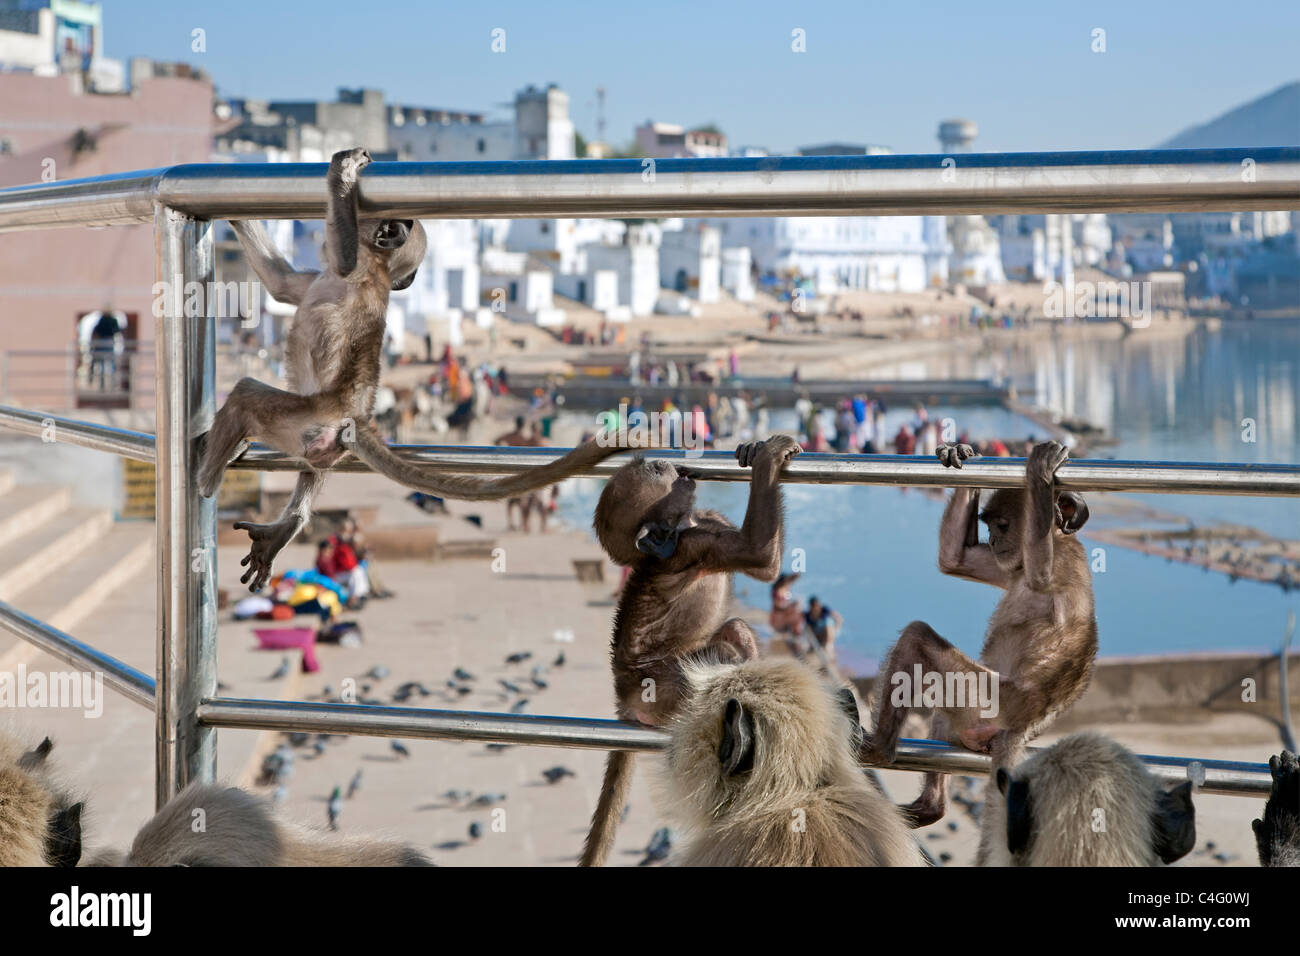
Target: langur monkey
(211, 825)
(1084, 801)
(332, 358)
(762, 770)
(40, 823)
(1277, 835)
(1041, 639)
(676, 601)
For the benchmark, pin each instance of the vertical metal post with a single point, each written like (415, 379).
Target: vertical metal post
(186, 523)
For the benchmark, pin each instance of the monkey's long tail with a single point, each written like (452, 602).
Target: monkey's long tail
(613, 795)
(370, 448)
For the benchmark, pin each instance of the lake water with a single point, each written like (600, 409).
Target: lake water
(870, 552)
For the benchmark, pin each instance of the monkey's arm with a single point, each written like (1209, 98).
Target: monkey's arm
(282, 281)
(1040, 513)
(755, 547)
(960, 552)
(268, 540)
(341, 238)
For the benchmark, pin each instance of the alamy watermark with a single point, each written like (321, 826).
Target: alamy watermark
(72, 690)
(1089, 300)
(945, 689)
(215, 300)
(639, 429)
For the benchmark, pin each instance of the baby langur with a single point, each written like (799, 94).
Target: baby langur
(40, 824)
(1277, 835)
(1041, 639)
(1085, 801)
(762, 770)
(332, 362)
(676, 601)
(208, 825)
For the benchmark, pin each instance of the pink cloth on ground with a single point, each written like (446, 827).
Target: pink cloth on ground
(282, 638)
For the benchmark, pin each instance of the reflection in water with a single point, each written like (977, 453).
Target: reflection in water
(871, 551)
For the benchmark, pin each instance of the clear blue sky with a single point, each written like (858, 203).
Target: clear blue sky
(873, 72)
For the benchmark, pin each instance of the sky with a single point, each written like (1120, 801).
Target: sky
(871, 72)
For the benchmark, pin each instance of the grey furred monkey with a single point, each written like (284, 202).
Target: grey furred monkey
(1277, 834)
(241, 829)
(1041, 639)
(676, 602)
(40, 822)
(762, 770)
(1084, 801)
(332, 357)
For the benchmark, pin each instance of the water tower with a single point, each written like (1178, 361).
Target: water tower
(956, 135)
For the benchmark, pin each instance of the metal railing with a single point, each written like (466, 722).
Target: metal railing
(181, 201)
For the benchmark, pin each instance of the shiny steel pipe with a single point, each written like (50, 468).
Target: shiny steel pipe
(123, 678)
(186, 522)
(969, 183)
(138, 446)
(1219, 776)
(1154, 477)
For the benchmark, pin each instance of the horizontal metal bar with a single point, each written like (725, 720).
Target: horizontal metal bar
(123, 678)
(579, 732)
(1220, 776)
(1226, 777)
(969, 183)
(1209, 478)
(138, 446)
(1085, 474)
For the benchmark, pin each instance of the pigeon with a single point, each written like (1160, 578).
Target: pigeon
(319, 748)
(519, 657)
(540, 684)
(378, 672)
(475, 830)
(455, 796)
(298, 738)
(487, 799)
(510, 688)
(399, 748)
(659, 846)
(335, 807)
(497, 748)
(556, 774)
(559, 661)
(461, 674)
(462, 691)
(282, 671)
(355, 785)
(519, 706)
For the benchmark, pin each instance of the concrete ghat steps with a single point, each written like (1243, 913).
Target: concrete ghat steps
(26, 507)
(29, 558)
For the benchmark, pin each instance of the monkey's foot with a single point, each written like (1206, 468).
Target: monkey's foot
(952, 455)
(267, 540)
(349, 163)
(778, 449)
(875, 751)
(923, 811)
(1045, 458)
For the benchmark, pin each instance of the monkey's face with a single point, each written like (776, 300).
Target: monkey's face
(643, 509)
(1003, 515)
(401, 241)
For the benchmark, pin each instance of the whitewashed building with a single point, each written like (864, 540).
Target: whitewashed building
(690, 261)
(871, 253)
(737, 275)
(1037, 248)
(540, 129)
(636, 263)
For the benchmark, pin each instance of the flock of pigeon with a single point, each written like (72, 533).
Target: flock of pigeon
(278, 767)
